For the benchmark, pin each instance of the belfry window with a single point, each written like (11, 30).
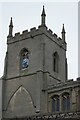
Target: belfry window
(24, 59)
(56, 62)
(66, 102)
(55, 103)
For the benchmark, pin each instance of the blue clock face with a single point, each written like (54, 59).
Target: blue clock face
(25, 63)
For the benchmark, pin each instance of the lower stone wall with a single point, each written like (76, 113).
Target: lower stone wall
(43, 119)
(57, 116)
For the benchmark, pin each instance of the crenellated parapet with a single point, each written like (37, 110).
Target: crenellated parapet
(35, 32)
(66, 85)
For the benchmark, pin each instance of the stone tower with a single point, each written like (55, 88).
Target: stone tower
(34, 60)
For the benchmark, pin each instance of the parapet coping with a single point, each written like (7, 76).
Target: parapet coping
(67, 84)
(35, 32)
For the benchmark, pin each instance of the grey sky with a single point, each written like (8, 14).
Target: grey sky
(28, 15)
(79, 39)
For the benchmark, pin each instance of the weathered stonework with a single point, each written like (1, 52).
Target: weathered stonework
(28, 92)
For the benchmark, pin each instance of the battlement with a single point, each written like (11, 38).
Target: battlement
(35, 32)
(68, 84)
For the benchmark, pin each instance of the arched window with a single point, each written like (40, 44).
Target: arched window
(55, 103)
(65, 102)
(56, 62)
(24, 58)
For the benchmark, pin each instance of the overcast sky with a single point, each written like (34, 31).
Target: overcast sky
(79, 38)
(28, 14)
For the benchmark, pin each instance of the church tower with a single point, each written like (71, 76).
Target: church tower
(34, 60)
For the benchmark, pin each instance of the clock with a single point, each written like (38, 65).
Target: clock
(25, 63)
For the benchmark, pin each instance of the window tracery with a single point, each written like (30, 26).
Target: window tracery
(55, 103)
(24, 59)
(66, 101)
